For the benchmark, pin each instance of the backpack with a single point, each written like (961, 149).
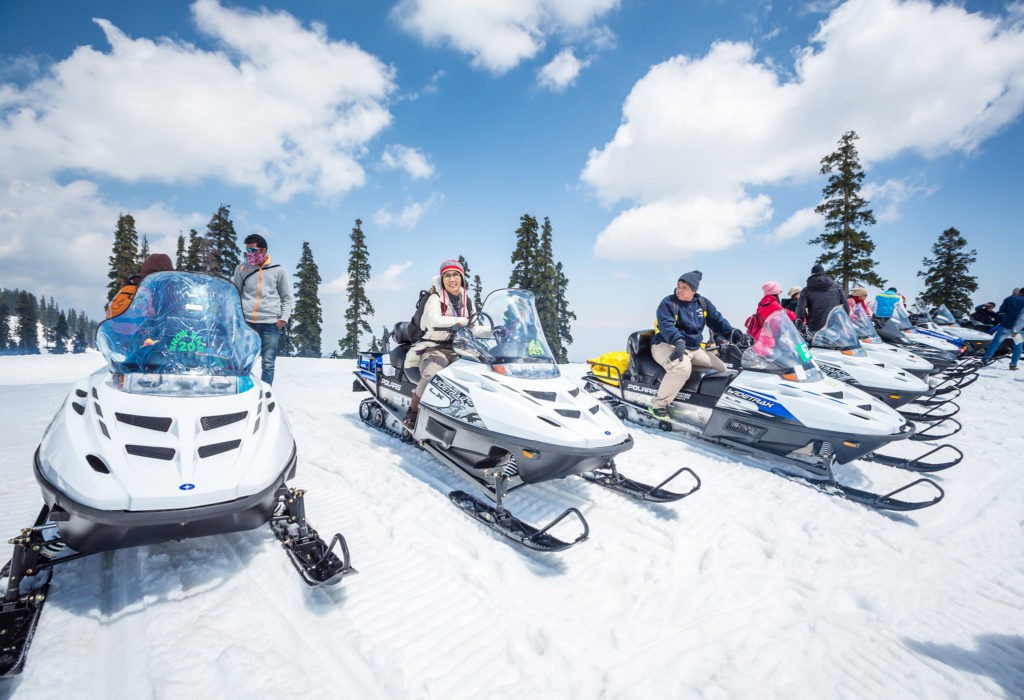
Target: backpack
(415, 331)
(119, 304)
(754, 324)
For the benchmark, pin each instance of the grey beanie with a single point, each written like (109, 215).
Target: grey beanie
(817, 269)
(692, 279)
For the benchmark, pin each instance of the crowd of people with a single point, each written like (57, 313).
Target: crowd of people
(678, 346)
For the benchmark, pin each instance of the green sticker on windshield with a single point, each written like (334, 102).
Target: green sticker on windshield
(803, 352)
(186, 341)
(535, 349)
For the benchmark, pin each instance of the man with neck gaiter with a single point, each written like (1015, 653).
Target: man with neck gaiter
(266, 292)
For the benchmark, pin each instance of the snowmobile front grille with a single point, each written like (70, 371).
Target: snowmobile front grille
(96, 407)
(103, 427)
(95, 394)
(574, 392)
(542, 395)
(79, 408)
(218, 447)
(271, 406)
(567, 412)
(148, 422)
(80, 394)
(151, 451)
(595, 408)
(211, 422)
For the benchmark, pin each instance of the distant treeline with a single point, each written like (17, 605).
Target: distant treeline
(26, 320)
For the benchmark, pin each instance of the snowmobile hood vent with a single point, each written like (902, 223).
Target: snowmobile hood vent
(148, 422)
(219, 447)
(542, 395)
(211, 422)
(151, 451)
(567, 412)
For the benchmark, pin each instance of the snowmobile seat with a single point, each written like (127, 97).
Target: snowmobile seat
(641, 364)
(709, 382)
(400, 334)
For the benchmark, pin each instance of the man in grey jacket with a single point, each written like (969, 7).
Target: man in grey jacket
(266, 292)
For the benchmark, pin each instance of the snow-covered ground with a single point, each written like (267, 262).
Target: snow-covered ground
(753, 587)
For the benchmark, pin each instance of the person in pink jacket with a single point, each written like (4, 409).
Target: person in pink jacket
(769, 304)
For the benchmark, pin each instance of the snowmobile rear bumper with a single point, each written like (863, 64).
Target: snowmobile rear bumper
(89, 530)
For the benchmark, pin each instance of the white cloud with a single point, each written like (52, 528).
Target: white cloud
(408, 159)
(498, 34)
(561, 72)
(408, 216)
(338, 285)
(389, 279)
(252, 114)
(895, 72)
(887, 198)
(799, 223)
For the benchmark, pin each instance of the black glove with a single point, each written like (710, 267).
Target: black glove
(680, 350)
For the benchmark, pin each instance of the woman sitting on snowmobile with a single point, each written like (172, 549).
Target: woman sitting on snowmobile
(676, 346)
(858, 298)
(448, 305)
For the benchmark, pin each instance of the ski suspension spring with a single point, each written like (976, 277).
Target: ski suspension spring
(827, 451)
(510, 469)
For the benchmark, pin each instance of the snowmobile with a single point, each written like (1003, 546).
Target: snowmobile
(943, 321)
(503, 415)
(887, 353)
(947, 354)
(172, 440)
(779, 406)
(838, 353)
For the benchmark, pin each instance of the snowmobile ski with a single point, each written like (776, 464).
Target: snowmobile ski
(610, 478)
(934, 414)
(506, 524)
(313, 558)
(917, 464)
(879, 501)
(939, 430)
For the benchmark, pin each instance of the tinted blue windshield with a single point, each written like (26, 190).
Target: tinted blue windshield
(180, 323)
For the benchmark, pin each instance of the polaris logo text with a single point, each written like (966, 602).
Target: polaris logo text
(640, 388)
(391, 385)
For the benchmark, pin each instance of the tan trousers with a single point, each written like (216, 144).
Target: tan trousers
(432, 361)
(678, 371)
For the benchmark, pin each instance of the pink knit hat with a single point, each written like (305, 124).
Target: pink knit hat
(771, 287)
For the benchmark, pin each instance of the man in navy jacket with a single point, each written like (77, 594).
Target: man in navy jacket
(1011, 315)
(676, 346)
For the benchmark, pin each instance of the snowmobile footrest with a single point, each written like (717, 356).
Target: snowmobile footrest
(939, 431)
(504, 523)
(611, 479)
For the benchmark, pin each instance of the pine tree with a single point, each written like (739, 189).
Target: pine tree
(223, 254)
(544, 288)
(194, 258)
(308, 315)
(27, 324)
(848, 249)
(60, 335)
(527, 243)
(946, 277)
(285, 342)
(477, 290)
(565, 316)
(143, 249)
(79, 344)
(179, 258)
(124, 257)
(359, 307)
(5, 329)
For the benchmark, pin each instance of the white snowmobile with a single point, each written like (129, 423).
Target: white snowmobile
(174, 440)
(943, 321)
(503, 415)
(947, 353)
(779, 406)
(839, 354)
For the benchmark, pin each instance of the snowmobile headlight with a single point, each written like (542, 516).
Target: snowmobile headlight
(526, 370)
(530, 454)
(182, 384)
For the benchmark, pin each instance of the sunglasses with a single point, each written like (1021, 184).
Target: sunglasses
(251, 250)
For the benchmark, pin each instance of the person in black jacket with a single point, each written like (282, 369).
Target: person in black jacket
(821, 295)
(985, 314)
(676, 346)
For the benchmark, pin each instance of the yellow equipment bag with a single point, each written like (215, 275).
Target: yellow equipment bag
(610, 366)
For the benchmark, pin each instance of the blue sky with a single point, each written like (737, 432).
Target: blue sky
(658, 136)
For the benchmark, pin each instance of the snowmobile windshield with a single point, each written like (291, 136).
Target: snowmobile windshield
(921, 314)
(901, 318)
(507, 335)
(183, 334)
(861, 321)
(944, 316)
(838, 333)
(781, 349)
